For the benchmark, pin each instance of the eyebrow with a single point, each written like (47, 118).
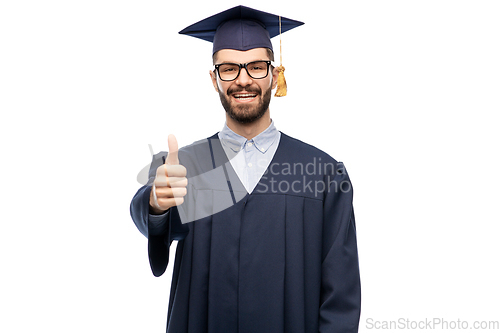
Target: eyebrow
(234, 62)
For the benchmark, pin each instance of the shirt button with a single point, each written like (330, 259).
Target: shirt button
(250, 165)
(249, 144)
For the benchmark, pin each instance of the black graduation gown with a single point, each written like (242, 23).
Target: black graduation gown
(281, 259)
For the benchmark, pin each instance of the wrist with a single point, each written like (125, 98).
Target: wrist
(155, 211)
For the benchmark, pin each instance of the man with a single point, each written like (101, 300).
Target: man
(264, 222)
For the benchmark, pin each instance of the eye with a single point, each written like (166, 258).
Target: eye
(257, 66)
(228, 68)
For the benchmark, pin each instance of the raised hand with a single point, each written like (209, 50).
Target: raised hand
(170, 182)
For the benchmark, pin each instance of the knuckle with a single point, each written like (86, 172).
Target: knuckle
(162, 203)
(161, 191)
(160, 182)
(178, 182)
(160, 170)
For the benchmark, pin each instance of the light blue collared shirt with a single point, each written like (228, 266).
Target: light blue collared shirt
(250, 158)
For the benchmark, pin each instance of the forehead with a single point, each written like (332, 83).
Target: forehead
(229, 55)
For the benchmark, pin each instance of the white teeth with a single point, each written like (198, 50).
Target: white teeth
(244, 95)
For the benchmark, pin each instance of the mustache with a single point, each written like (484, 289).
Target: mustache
(248, 90)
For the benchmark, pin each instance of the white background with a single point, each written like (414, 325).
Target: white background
(406, 93)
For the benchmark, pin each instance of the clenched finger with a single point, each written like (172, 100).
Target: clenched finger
(177, 181)
(165, 203)
(176, 170)
(171, 181)
(168, 192)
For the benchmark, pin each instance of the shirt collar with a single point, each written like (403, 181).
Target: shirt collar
(265, 139)
(262, 141)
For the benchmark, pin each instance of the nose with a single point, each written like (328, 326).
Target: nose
(243, 79)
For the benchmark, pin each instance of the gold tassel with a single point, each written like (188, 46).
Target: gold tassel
(281, 90)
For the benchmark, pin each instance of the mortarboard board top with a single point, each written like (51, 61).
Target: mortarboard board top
(240, 28)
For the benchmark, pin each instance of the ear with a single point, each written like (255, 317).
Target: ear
(275, 77)
(213, 77)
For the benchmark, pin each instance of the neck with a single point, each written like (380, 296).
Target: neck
(251, 130)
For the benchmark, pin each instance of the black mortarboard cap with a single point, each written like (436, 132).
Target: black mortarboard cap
(240, 28)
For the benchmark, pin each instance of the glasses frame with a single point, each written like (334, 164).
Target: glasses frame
(240, 66)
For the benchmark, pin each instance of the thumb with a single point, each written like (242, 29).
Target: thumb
(173, 148)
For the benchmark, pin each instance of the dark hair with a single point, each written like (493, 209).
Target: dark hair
(270, 54)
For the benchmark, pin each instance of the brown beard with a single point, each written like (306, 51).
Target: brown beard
(246, 115)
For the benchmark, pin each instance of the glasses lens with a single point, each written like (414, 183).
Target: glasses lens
(257, 69)
(228, 72)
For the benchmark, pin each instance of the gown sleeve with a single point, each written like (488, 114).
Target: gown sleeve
(340, 281)
(158, 241)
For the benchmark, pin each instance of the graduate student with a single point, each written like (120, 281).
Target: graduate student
(264, 222)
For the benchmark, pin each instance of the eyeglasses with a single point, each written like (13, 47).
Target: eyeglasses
(255, 69)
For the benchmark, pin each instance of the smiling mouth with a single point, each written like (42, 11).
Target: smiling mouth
(246, 97)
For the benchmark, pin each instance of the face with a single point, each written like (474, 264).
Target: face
(244, 99)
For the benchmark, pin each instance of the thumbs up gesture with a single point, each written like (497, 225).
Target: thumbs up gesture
(170, 182)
